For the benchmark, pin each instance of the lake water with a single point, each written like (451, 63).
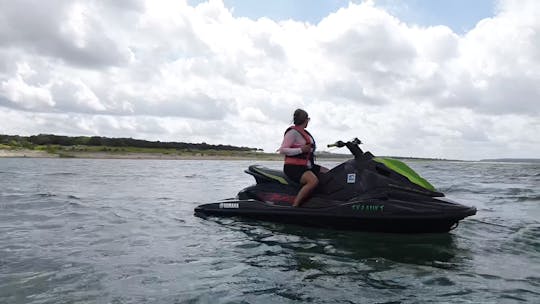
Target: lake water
(123, 231)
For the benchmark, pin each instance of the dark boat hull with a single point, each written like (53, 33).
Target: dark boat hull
(336, 217)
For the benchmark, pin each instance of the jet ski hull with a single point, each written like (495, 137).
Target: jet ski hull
(348, 216)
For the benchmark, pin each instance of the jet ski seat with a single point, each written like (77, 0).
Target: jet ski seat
(266, 175)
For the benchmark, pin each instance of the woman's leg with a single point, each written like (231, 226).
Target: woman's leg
(317, 169)
(309, 181)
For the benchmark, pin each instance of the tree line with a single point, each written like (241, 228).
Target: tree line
(50, 139)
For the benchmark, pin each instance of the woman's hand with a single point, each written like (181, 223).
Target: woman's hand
(306, 148)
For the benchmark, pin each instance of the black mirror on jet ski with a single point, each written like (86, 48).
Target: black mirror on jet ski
(365, 193)
(337, 144)
(340, 144)
(353, 146)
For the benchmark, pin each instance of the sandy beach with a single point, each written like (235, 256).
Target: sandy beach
(25, 153)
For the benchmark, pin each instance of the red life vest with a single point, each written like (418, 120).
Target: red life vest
(303, 158)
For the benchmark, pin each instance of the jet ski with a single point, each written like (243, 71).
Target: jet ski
(365, 193)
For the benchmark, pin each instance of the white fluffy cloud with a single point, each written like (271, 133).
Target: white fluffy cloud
(162, 69)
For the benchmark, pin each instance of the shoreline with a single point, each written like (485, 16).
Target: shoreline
(27, 153)
(199, 155)
(174, 155)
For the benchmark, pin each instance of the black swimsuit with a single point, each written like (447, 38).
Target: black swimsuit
(295, 172)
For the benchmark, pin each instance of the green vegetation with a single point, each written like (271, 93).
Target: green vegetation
(66, 146)
(29, 142)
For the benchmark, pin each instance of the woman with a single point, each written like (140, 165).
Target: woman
(299, 146)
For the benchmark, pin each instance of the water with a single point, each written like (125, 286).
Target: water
(123, 231)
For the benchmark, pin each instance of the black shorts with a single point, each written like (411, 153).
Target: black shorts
(295, 172)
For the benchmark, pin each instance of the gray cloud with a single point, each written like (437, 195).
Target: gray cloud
(373, 49)
(169, 70)
(73, 33)
(198, 105)
(351, 89)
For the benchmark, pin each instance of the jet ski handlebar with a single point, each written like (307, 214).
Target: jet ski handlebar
(340, 144)
(352, 145)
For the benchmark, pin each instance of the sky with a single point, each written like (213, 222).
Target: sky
(424, 78)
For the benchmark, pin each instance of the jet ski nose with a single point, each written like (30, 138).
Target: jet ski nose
(471, 211)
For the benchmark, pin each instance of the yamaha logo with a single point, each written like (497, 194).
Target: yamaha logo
(228, 205)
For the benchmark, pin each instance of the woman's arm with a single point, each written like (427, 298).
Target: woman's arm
(288, 141)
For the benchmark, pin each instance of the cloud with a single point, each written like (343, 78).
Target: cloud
(167, 70)
(73, 33)
(18, 93)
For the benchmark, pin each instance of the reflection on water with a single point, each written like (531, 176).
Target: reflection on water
(437, 250)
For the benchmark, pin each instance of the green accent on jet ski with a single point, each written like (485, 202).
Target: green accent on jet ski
(401, 168)
(278, 178)
(368, 208)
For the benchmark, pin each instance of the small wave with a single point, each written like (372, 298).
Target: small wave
(194, 175)
(11, 194)
(61, 174)
(511, 297)
(463, 188)
(458, 293)
(48, 226)
(75, 214)
(515, 294)
(111, 252)
(115, 218)
(48, 194)
(533, 280)
(514, 198)
(528, 198)
(493, 225)
(440, 281)
(102, 241)
(75, 204)
(489, 276)
(527, 237)
(493, 222)
(165, 261)
(516, 191)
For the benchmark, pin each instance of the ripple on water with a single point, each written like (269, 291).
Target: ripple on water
(525, 240)
(62, 174)
(123, 232)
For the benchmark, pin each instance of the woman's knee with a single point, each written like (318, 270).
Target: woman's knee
(312, 180)
(315, 181)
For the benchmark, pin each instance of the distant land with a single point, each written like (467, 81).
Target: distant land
(59, 140)
(52, 146)
(512, 160)
(49, 145)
